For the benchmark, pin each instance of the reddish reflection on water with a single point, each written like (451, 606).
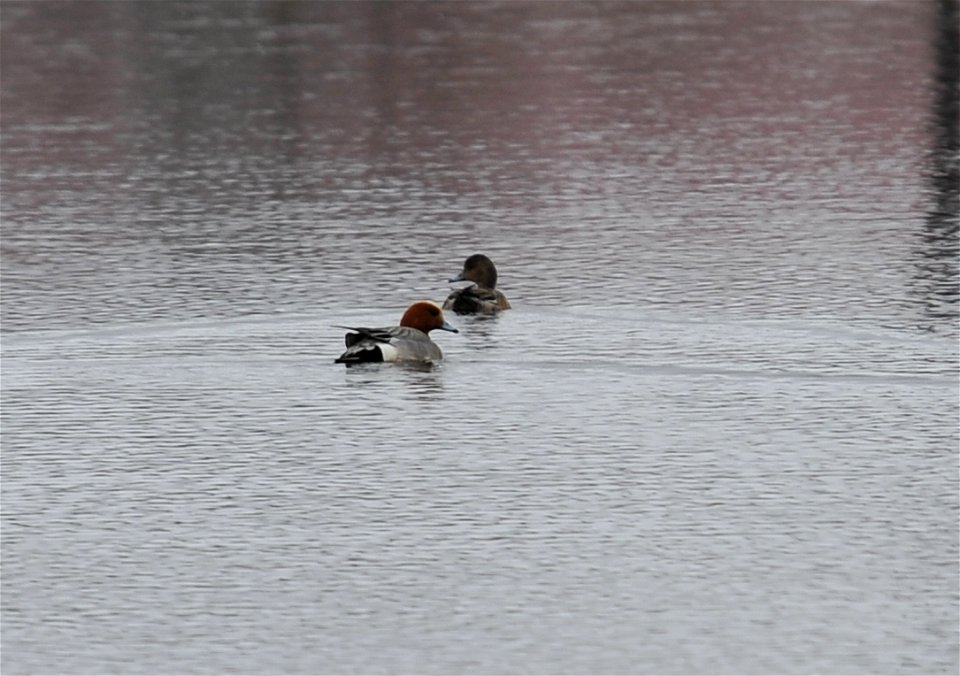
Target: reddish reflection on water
(714, 154)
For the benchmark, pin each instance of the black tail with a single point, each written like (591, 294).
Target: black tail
(360, 354)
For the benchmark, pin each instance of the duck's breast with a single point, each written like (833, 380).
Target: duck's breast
(413, 345)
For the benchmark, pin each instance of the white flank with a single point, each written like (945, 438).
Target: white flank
(388, 351)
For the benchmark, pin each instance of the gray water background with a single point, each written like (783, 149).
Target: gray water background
(717, 434)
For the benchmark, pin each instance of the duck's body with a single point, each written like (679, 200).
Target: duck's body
(476, 300)
(408, 342)
(481, 298)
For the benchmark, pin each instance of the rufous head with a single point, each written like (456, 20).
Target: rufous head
(480, 270)
(426, 316)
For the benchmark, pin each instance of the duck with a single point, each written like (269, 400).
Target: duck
(410, 341)
(481, 298)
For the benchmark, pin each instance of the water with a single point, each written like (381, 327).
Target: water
(717, 434)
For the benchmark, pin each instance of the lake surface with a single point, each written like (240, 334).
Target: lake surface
(718, 432)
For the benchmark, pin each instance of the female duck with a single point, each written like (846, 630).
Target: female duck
(407, 342)
(481, 298)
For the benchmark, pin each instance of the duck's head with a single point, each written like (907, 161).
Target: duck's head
(480, 270)
(426, 316)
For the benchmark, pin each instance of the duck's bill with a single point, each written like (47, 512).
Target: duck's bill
(458, 278)
(447, 326)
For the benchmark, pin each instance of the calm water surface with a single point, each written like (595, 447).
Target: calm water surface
(717, 434)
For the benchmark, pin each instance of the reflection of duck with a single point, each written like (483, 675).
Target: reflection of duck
(407, 342)
(481, 298)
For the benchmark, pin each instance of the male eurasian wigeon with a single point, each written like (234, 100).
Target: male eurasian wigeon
(407, 342)
(481, 298)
